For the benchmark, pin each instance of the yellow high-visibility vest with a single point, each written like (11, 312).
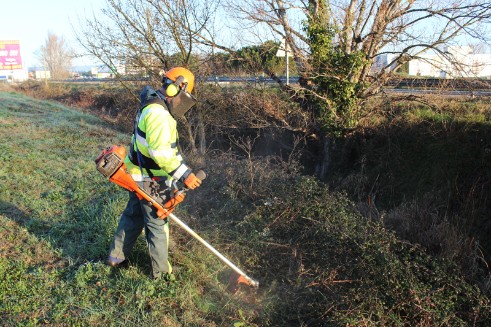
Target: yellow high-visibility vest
(156, 139)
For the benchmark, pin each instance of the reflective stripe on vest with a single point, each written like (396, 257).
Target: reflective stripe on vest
(162, 152)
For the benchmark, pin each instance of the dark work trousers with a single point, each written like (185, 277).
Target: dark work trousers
(139, 215)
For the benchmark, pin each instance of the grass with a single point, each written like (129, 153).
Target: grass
(58, 216)
(319, 261)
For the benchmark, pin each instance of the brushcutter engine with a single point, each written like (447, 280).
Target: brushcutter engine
(109, 161)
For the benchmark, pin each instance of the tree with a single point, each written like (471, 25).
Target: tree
(335, 43)
(56, 56)
(147, 37)
(258, 58)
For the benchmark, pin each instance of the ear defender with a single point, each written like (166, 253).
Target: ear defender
(173, 88)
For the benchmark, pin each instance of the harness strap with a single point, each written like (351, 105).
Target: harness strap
(137, 158)
(134, 145)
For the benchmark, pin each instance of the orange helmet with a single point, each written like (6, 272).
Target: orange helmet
(180, 75)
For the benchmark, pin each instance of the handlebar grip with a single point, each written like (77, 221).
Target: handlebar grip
(201, 175)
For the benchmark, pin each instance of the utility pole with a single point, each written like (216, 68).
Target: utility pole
(283, 51)
(44, 72)
(287, 68)
(282, 15)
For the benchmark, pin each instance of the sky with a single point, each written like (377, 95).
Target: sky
(29, 21)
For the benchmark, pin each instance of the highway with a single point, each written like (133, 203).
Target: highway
(457, 87)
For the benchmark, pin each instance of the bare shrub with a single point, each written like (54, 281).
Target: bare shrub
(5, 87)
(251, 122)
(117, 105)
(253, 108)
(41, 90)
(423, 222)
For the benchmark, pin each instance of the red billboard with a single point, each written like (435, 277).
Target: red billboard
(10, 55)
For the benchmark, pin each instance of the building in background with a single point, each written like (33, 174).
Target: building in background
(458, 62)
(11, 68)
(105, 72)
(466, 64)
(384, 61)
(39, 73)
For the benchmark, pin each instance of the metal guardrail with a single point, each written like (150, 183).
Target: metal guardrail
(402, 83)
(456, 84)
(218, 79)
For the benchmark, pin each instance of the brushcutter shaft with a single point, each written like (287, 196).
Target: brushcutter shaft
(250, 281)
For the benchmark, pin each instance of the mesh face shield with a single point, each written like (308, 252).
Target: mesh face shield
(181, 103)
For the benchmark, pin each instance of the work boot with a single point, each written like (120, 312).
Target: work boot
(116, 263)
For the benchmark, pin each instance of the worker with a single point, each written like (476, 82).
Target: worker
(155, 163)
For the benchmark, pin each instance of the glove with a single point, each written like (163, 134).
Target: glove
(192, 181)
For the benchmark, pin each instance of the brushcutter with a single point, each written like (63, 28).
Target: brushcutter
(110, 163)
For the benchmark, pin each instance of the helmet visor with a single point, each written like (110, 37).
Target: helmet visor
(181, 103)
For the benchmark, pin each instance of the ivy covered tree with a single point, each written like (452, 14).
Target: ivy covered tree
(337, 79)
(335, 43)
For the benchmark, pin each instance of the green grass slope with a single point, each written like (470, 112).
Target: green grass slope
(57, 219)
(319, 262)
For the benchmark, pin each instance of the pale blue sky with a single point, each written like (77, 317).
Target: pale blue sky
(30, 20)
